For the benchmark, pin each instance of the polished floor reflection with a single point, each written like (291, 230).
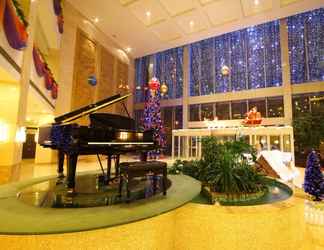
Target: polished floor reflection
(90, 191)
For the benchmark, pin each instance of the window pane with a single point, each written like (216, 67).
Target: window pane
(260, 104)
(169, 69)
(139, 118)
(317, 103)
(275, 142)
(194, 112)
(300, 105)
(239, 110)
(166, 114)
(286, 143)
(275, 107)
(222, 111)
(207, 111)
(178, 118)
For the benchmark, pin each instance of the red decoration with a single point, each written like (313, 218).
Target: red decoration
(60, 23)
(2, 8)
(38, 62)
(54, 90)
(253, 117)
(48, 79)
(14, 28)
(154, 84)
(58, 10)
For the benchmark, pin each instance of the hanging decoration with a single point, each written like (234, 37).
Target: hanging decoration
(164, 88)
(38, 62)
(54, 90)
(154, 86)
(2, 8)
(92, 80)
(48, 78)
(58, 10)
(225, 70)
(152, 116)
(43, 70)
(14, 24)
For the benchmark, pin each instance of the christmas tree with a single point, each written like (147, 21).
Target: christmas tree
(152, 116)
(314, 180)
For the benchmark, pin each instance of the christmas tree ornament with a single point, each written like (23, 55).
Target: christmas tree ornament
(225, 70)
(154, 86)
(164, 88)
(92, 80)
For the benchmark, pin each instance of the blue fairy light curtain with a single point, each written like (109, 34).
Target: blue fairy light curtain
(306, 46)
(245, 59)
(141, 78)
(168, 68)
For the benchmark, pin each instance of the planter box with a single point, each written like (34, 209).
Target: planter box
(222, 198)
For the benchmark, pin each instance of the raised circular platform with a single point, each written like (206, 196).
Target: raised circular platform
(25, 218)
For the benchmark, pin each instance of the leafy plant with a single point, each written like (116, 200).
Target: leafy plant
(190, 168)
(226, 169)
(308, 131)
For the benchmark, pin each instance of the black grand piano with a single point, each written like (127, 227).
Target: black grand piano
(108, 134)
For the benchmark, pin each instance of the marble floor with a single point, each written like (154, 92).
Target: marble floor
(311, 214)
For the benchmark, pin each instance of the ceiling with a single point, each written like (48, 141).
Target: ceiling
(148, 26)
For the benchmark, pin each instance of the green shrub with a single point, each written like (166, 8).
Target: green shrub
(224, 167)
(190, 168)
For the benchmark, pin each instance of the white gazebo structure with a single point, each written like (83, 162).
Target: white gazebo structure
(186, 143)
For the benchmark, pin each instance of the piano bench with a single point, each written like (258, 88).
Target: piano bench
(130, 170)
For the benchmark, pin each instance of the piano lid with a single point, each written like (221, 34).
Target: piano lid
(73, 115)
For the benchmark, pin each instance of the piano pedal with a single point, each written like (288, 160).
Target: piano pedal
(70, 192)
(60, 175)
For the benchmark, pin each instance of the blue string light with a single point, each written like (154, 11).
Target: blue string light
(306, 46)
(252, 55)
(169, 70)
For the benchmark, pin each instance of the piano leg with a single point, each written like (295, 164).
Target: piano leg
(108, 169)
(60, 163)
(143, 156)
(117, 165)
(71, 168)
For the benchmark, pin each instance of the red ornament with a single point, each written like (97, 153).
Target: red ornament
(154, 84)
(54, 90)
(48, 80)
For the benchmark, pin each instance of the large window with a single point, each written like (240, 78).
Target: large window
(239, 109)
(172, 119)
(306, 46)
(275, 106)
(306, 103)
(168, 68)
(141, 77)
(245, 59)
(268, 107)
(223, 110)
(300, 104)
(207, 111)
(194, 112)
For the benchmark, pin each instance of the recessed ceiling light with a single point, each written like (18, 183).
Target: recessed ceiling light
(148, 13)
(256, 2)
(128, 49)
(191, 23)
(96, 20)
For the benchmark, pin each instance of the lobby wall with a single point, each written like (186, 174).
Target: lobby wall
(87, 51)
